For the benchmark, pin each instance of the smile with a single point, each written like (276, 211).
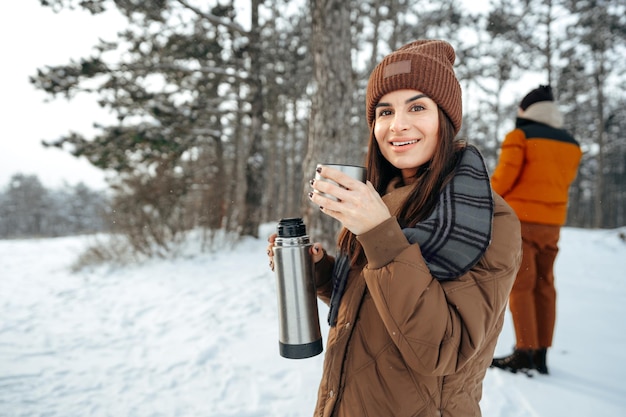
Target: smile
(408, 142)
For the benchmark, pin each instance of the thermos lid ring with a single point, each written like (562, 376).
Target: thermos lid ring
(291, 227)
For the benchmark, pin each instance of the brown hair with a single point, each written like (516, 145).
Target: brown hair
(430, 178)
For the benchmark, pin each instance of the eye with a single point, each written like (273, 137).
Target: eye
(384, 112)
(417, 107)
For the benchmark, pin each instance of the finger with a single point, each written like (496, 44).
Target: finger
(270, 247)
(332, 193)
(339, 177)
(371, 186)
(337, 215)
(342, 201)
(318, 248)
(325, 188)
(327, 203)
(317, 252)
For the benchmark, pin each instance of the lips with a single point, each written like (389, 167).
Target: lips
(404, 142)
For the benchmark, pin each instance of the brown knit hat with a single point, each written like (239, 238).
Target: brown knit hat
(424, 65)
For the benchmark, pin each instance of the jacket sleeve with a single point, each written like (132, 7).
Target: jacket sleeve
(439, 326)
(510, 162)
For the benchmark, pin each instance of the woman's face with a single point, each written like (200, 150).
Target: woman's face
(406, 127)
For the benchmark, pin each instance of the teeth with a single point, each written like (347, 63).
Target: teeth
(408, 142)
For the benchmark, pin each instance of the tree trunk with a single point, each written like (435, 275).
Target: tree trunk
(329, 129)
(599, 84)
(255, 164)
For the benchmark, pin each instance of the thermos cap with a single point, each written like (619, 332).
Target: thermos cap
(291, 227)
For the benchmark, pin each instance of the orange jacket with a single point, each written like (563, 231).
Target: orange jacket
(537, 164)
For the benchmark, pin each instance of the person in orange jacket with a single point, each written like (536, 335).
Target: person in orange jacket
(538, 162)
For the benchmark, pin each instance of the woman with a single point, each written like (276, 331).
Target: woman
(418, 291)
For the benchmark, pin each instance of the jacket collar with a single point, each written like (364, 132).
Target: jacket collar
(545, 112)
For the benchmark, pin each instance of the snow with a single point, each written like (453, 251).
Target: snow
(197, 336)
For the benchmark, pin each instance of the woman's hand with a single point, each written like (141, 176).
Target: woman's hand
(270, 249)
(317, 250)
(360, 208)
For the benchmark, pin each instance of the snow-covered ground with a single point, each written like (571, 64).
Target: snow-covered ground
(197, 337)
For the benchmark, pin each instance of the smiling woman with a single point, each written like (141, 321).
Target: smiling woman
(428, 253)
(27, 117)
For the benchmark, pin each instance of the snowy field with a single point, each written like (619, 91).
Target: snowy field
(197, 337)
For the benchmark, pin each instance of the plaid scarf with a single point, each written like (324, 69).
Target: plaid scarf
(455, 235)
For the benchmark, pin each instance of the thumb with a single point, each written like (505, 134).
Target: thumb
(317, 251)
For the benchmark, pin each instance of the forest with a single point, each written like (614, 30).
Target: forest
(29, 209)
(224, 108)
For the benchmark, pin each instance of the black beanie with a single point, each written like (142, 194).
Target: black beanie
(543, 93)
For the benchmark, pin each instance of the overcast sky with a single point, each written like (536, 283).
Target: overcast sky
(32, 36)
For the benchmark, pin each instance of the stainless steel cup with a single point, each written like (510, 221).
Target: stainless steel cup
(354, 171)
(299, 327)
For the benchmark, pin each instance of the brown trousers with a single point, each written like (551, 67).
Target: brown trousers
(533, 297)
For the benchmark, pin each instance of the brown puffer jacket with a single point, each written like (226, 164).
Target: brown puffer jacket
(406, 344)
(538, 162)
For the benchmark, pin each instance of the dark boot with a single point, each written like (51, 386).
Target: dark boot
(539, 358)
(519, 360)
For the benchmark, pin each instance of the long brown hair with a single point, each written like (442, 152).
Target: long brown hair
(430, 180)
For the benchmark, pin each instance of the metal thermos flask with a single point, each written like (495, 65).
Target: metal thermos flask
(299, 327)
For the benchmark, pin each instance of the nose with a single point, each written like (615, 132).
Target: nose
(400, 122)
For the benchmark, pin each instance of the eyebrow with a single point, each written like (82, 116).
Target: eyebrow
(417, 97)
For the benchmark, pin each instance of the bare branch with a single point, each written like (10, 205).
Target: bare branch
(171, 67)
(214, 19)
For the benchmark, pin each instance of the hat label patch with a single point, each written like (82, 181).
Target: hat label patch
(395, 68)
